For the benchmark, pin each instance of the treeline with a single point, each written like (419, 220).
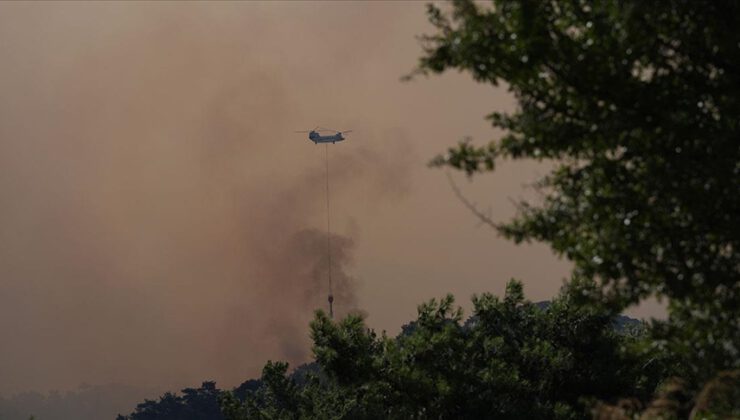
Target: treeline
(510, 359)
(514, 357)
(86, 403)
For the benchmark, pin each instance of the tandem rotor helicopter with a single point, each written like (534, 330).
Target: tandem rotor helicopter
(317, 138)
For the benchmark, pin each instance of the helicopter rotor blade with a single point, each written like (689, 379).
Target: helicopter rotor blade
(346, 131)
(304, 131)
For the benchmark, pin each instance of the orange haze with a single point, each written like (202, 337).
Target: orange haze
(160, 222)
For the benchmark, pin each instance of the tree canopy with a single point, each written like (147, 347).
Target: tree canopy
(510, 359)
(193, 404)
(636, 104)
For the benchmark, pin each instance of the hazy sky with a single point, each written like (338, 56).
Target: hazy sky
(160, 222)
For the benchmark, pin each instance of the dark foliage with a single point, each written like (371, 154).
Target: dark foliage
(511, 359)
(192, 404)
(636, 104)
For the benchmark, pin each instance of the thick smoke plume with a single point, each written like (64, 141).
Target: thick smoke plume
(160, 224)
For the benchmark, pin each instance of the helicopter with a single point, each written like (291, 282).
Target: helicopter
(317, 138)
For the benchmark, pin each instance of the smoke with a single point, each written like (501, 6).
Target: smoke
(160, 224)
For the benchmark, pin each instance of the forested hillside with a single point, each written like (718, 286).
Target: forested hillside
(551, 353)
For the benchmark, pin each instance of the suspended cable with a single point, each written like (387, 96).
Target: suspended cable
(328, 236)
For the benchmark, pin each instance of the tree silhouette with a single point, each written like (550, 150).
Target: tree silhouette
(510, 359)
(636, 104)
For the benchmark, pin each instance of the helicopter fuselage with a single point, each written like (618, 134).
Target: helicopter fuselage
(318, 138)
